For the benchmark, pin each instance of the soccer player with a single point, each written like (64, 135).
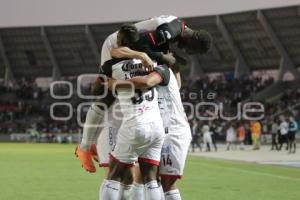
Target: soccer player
(284, 129)
(190, 38)
(274, 131)
(112, 48)
(141, 134)
(293, 128)
(178, 135)
(86, 151)
(207, 140)
(230, 137)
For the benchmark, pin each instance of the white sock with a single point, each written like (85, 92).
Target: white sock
(161, 192)
(138, 191)
(110, 190)
(90, 134)
(126, 193)
(173, 195)
(152, 191)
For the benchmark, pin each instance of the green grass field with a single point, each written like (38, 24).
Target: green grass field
(51, 172)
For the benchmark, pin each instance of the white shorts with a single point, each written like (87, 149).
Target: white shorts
(207, 138)
(142, 143)
(105, 144)
(174, 153)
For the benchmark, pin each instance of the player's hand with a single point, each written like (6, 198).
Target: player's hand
(110, 83)
(170, 59)
(147, 62)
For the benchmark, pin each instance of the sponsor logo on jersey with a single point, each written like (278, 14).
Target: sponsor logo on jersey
(129, 66)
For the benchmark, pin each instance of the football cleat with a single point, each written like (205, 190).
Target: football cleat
(86, 160)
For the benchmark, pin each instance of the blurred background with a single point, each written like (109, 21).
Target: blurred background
(255, 57)
(50, 54)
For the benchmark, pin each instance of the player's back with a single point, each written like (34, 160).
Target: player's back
(171, 108)
(154, 22)
(142, 26)
(143, 106)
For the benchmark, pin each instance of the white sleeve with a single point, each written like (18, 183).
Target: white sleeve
(109, 43)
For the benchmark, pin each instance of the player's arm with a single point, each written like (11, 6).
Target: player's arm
(161, 57)
(126, 52)
(139, 82)
(180, 62)
(176, 71)
(178, 79)
(148, 43)
(160, 76)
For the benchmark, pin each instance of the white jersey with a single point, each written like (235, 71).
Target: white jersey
(171, 108)
(143, 106)
(284, 128)
(143, 26)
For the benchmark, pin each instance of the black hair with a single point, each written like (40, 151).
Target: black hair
(200, 41)
(128, 34)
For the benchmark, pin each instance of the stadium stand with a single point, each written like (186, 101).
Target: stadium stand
(246, 42)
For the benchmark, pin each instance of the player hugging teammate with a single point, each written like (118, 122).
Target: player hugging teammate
(151, 140)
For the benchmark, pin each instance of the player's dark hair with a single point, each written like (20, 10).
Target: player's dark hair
(202, 40)
(128, 34)
(199, 41)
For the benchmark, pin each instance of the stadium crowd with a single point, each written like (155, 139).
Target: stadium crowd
(27, 106)
(278, 115)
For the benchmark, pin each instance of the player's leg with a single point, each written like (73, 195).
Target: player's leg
(112, 187)
(280, 139)
(273, 141)
(210, 142)
(293, 142)
(91, 131)
(289, 142)
(204, 143)
(170, 188)
(138, 184)
(214, 142)
(105, 143)
(193, 144)
(94, 118)
(149, 159)
(152, 188)
(295, 146)
(122, 159)
(119, 172)
(90, 134)
(228, 145)
(174, 153)
(127, 182)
